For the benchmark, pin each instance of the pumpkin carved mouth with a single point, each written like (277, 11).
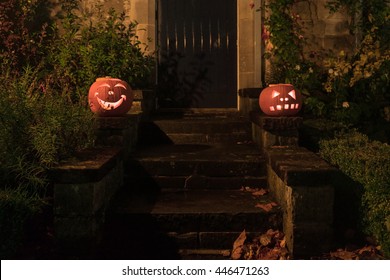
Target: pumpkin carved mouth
(285, 107)
(110, 105)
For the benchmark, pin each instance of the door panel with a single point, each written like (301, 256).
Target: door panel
(197, 53)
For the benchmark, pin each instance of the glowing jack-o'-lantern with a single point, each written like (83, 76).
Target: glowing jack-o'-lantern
(110, 97)
(280, 100)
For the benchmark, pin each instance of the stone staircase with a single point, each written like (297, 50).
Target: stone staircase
(186, 191)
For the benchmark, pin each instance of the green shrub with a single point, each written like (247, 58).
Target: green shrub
(366, 162)
(24, 32)
(16, 208)
(97, 43)
(38, 128)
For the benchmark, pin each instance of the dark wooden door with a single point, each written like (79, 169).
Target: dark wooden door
(197, 53)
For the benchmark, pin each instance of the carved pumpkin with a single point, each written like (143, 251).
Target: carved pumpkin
(110, 97)
(280, 100)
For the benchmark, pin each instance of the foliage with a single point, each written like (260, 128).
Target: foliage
(346, 88)
(367, 162)
(358, 83)
(23, 32)
(364, 14)
(290, 59)
(39, 127)
(91, 44)
(361, 79)
(16, 207)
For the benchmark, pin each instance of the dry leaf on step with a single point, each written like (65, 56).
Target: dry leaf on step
(343, 255)
(260, 192)
(238, 246)
(248, 189)
(265, 239)
(266, 206)
(283, 243)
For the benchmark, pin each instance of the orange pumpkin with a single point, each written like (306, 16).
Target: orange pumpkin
(280, 100)
(110, 97)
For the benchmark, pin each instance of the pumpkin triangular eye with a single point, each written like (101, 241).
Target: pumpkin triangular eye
(275, 93)
(120, 85)
(292, 94)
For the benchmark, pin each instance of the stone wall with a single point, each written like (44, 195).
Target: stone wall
(301, 184)
(83, 188)
(325, 30)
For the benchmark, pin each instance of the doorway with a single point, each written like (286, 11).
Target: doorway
(197, 46)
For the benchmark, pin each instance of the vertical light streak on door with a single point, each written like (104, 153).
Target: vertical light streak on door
(184, 37)
(219, 35)
(193, 37)
(201, 37)
(210, 36)
(176, 41)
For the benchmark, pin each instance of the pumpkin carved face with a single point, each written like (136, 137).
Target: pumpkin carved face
(280, 100)
(110, 97)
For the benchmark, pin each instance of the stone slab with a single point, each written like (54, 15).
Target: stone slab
(87, 166)
(204, 182)
(297, 166)
(275, 123)
(202, 211)
(185, 160)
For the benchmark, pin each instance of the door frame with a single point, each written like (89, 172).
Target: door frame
(250, 49)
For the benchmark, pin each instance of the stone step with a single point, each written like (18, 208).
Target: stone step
(197, 166)
(207, 126)
(180, 131)
(197, 113)
(199, 181)
(191, 219)
(209, 138)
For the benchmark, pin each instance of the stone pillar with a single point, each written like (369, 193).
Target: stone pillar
(144, 12)
(83, 189)
(250, 50)
(275, 131)
(249, 44)
(118, 132)
(302, 185)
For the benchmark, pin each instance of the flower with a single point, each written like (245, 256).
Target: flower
(265, 34)
(345, 105)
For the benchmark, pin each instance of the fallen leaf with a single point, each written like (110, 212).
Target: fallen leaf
(249, 189)
(260, 192)
(272, 232)
(266, 207)
(265, 239)
(367, 249)
(238, 246)
(343, 255)
(282, 243)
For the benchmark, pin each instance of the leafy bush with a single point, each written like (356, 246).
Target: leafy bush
(91, 44)
(39, 127)
(367, 162)
(45, 78)
(16, 208)
(23, 32)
